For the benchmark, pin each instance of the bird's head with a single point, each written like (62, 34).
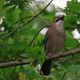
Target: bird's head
(59, 16)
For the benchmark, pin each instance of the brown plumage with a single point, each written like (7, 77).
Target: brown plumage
(54, 41)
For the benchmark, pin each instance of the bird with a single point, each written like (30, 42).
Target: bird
(54, 42)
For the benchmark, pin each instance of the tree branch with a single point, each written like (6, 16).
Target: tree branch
(24, 61)
(67, 53)
(15, 63)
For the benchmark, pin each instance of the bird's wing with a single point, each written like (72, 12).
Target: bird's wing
(45, 40)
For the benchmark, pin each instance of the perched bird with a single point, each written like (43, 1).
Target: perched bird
(54, 41)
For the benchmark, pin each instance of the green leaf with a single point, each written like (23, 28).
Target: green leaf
(70, 42)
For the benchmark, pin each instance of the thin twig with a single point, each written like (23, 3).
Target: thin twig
(63, 75)
(35, 36)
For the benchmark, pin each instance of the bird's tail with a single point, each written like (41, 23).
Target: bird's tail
(46, 67)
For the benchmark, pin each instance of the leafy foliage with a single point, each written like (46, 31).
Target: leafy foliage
(73, 13)
(16, 37)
